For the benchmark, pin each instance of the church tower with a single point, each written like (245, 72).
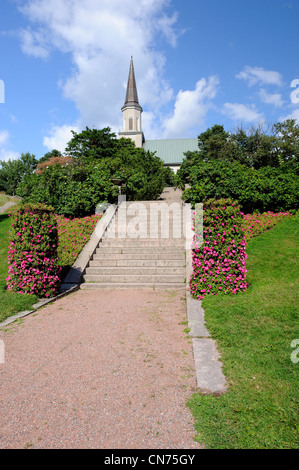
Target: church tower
(132, 112)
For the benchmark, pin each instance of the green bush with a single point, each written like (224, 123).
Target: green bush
(269, 188)
(32, 255)
(76, 189)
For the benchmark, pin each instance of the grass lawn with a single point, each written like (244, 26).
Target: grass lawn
(254, 331)
(10, 303)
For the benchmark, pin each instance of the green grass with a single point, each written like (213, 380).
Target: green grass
(254, 331)
(10, 303)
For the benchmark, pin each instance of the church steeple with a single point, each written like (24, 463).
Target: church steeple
(132, 111)
(132, 95)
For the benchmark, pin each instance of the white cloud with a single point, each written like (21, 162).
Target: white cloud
(31, 43)
(59, 137)
(190, 109)
(5, 153)
(100, 37)
(254, 75)
(4, 136)
(241, 112)
(293, 115)
(271, 98)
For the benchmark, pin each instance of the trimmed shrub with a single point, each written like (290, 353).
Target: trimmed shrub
(266, 189)
(219, 263)
(32, 255)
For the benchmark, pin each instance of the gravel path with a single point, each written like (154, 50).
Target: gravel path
(99, 369)
(6, 206)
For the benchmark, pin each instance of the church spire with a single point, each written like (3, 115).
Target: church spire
(132, 112)
(131, 94)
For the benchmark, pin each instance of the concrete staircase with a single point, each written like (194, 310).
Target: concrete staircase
(129, 256)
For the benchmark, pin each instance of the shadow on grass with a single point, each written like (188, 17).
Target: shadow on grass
(3, 217)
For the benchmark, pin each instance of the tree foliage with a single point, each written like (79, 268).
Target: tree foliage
(13, 172)
(96, 157)
(254, 147)
(259, 169)
(265, 189)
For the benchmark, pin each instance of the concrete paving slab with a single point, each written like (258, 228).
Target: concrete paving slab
(210, 379)
(196, 318)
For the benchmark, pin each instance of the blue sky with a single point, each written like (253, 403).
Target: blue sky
(65, 63)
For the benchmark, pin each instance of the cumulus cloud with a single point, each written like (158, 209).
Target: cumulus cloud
(254, 75)
(190, 109)
(5, 153)
(59, 137)
(271, 98)
(242, 113)
(32, 43)
(4, 136)
(100, 37)
(293, 115)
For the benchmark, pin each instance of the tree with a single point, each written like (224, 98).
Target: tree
(215, 144)
(13, 172)
(59, 160)
(92, 144)
(48, 155)
(97, 157)
(287, 135)
(255, 148)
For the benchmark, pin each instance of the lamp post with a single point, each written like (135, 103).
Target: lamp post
(118, 182)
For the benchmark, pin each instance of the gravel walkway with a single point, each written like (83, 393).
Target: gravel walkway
(6, 206)
(99, 369)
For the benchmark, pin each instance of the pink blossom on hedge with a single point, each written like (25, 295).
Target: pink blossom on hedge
(224, 263)
(33, 268)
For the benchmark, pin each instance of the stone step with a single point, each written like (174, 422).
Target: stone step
(141, 278)
(155, 255)
(176, 237)
(140, 242)
(137, 263)
(131, 271)
(137, 250)
(135, 285)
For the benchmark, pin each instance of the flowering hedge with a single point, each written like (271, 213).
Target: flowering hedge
(32, 255)
(73, 234)
(255, 224)
(219, 263)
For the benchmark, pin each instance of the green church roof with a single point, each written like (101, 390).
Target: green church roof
(171, 151)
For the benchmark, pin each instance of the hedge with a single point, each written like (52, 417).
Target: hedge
(32, 255)
(219, 263)
(266, 189)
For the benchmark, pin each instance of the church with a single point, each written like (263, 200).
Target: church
(171, 151)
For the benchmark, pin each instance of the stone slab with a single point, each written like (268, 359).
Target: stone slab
(196, 318)
(210, 379)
